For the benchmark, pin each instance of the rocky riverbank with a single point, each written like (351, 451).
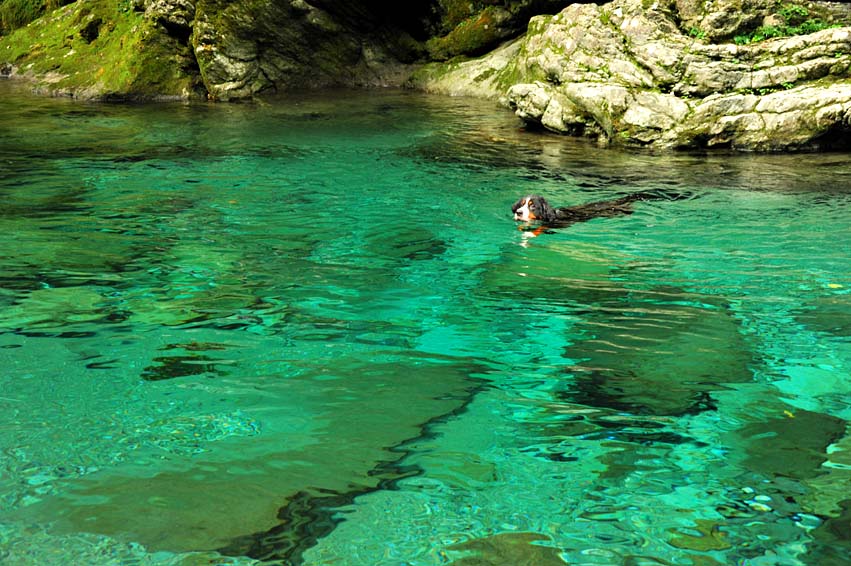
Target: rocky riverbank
(628, 74)
(743, 74)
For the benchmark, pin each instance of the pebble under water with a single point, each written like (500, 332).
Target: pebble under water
(308, 332)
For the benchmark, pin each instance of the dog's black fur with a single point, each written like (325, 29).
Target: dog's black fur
(539, 210)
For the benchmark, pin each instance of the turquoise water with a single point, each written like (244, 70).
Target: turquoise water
(308, 332)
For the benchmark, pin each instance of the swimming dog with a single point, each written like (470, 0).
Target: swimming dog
(535, 208)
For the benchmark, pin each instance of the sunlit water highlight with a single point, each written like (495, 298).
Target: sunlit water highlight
(308, 332)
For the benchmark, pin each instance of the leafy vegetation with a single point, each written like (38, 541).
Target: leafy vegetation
(696, 33)
(796, 21)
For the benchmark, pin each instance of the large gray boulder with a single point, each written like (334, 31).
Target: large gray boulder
(630, 75)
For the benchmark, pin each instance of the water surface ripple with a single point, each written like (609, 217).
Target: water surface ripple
(308, 332)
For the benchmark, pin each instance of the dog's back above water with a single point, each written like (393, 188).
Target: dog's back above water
(535, 208)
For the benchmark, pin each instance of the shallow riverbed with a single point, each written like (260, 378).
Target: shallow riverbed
(309, 332)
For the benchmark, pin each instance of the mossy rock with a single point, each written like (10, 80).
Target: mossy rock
(473, 28)
(473, 36)
(18, 13)
(102, 49)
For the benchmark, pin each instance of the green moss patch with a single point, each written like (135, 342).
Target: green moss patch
(456, 11)
(101, 49)
(18, 13)
(473, 36)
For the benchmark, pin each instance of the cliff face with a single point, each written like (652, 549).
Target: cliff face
(223, 49)
(235, 49)
(250, 46)
(748, 74)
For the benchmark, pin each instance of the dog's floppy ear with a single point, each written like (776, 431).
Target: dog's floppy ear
(542, 209)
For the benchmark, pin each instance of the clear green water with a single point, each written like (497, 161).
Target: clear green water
(308, 332)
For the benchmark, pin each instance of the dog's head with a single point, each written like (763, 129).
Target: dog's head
(532, 208)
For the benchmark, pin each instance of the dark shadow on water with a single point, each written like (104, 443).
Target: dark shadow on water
(63, 203)
(411, 242)
(790, 447)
